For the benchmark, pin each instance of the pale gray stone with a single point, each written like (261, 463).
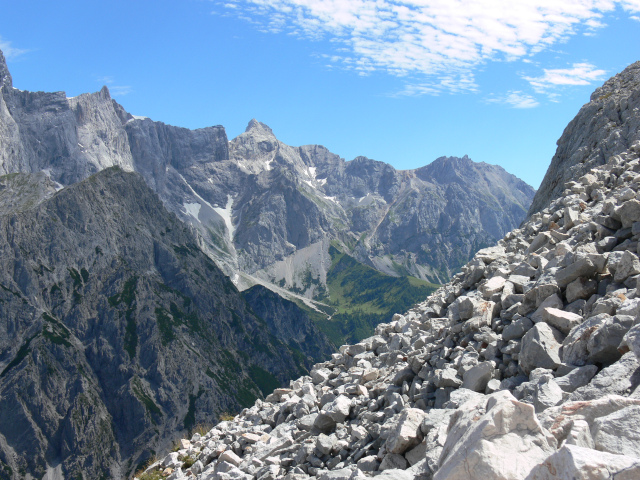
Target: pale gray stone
(628, 265)
(621, 378)
(446, 377)
(540, 348)
(581, 288)
(574, 346)
(604, 342)
(339, 409)
(368, 464)
(583, 267)
(516, 329)
(494, 285)
(324, 422)
(629, 212)
(553, 301)
(325, 443)
(416, 454)
(507, 439)
(576, 378)
(563, 321)
(578, 463)
(393, 461)
(580, 434)
(230, 457)
(476, 378)
(320, 375)
(406, 433)
(618, 432)
(548, 394)
(631, 340)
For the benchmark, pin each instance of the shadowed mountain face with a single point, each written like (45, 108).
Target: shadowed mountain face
(267, 212)
(117, 331)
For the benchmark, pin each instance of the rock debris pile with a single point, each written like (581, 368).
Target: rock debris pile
(525, 366)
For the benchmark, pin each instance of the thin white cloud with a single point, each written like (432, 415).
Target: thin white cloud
(10, 51)
(515, 99)
(115, 90)
(432, 38)
(120, 90)
(578, 74)
(107, 79)
(462, 82)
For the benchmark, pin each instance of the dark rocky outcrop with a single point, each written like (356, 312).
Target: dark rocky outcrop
(117, 331)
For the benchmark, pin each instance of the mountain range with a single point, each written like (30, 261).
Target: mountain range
(144, 268)
(525, 366)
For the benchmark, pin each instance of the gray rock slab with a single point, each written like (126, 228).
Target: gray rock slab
(540, 348)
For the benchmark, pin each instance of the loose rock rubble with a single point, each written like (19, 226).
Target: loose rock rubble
(525, 366)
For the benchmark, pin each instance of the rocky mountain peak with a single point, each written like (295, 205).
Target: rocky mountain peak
(257, 127)
(5, 76)
(449, 170)
(104, 93)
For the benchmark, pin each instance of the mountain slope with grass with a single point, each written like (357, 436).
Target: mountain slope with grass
(359, 297)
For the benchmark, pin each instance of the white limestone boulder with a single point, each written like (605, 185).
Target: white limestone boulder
(406, 433)
(578, 463)
(497, 435)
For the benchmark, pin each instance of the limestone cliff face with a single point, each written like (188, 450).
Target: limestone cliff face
(266, 211)
(425, 222)
(117, 331)
(608, 125)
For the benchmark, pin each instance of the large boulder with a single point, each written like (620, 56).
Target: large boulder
(406, 433)
(563, 321)
(621, 378)
(572, 462)
(477, 377)
(618, 432)
(497, 435)
(603, 416)
(574, 346)
(540, 348)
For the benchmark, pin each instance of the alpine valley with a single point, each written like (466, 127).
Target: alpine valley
(154, 278)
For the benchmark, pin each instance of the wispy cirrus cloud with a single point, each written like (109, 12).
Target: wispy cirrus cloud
(9, 50)
(578, 74)
(514, 99)
(436, 39)
(461, 82)
(115, 90)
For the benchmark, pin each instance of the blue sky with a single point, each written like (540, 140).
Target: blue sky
(403, 82)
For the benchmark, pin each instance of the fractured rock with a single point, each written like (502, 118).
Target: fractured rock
(406, 434)
(563, 321)
(506, 439)
(476, 378)
(540, 348)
